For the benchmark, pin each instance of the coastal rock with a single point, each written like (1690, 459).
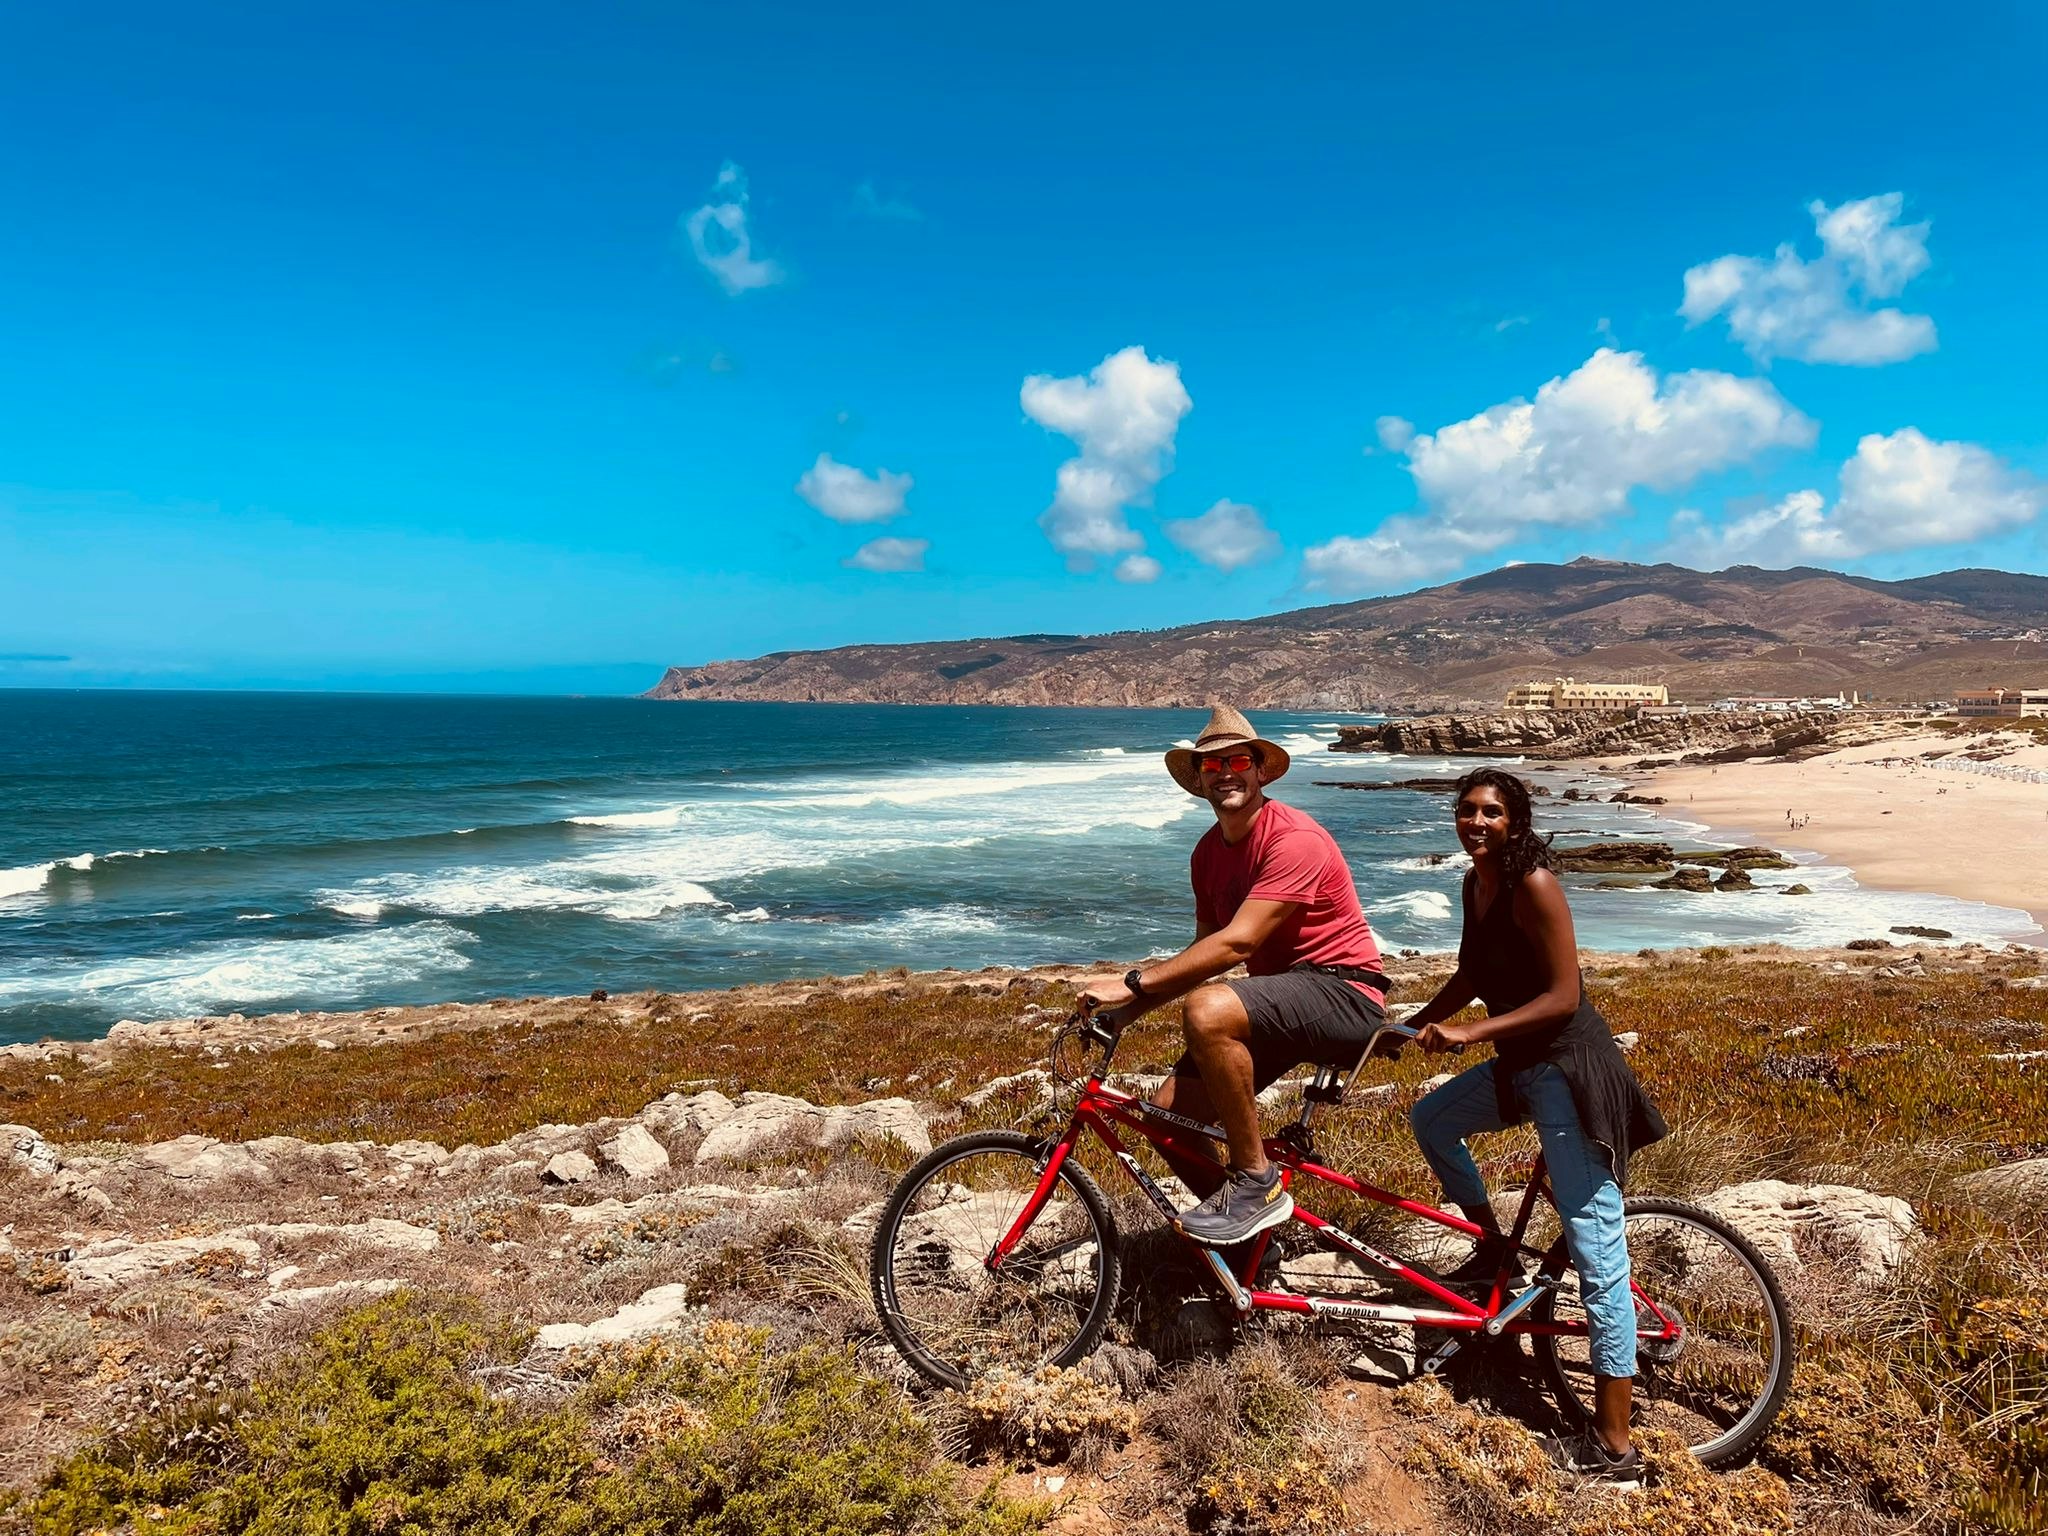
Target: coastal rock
(378, 1232)
(2022, 1183)
(1734, 878)
(1706, 735)
(1690, 878)
(121, 1261)
(635, 1153)
(1036, 1078)
(1916, 931)
(417, 1154)
(771, 1122)
(569, 1168)
(202, 1160)
(663, 1308)
(26, 1149)
(1835, 1225)
(1797, 890)
(353, 1292)
(1640, 858)
(675, 1115)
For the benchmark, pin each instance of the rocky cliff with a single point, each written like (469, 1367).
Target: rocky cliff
(1705, 634)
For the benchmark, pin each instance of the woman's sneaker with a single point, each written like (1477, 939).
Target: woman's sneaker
(1245, 1206)
(1591, 1460)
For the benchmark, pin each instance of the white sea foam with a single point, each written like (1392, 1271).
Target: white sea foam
(352, 906)
(211, 978)
(751, 915)
(1424, 906)
(663, 818)
(24, 879)
(952, 920)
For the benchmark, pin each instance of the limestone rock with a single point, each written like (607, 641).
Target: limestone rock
(202, 1160)
(350, 1291)
(377, 1232)
(664, 1307)
(570, 1168)
(675, 1115)
(417, 1154)
(121, 1261)
(2022, 1183)
(28, 1148)
(635, 1153)
(771, 1122)
(1034, 1077)
(1830, 1225)
(1734, 878)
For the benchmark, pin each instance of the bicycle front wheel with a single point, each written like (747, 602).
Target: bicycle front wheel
(951, 1313)
(1719, 1376)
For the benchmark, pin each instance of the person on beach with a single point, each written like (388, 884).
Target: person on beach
(1273, 893)
(1555, 1063)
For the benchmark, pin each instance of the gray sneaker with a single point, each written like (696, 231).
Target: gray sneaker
(1245, 1206)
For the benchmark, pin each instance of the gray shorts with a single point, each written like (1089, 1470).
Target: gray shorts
(1300, 1016)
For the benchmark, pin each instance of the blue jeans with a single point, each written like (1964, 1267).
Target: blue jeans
(1587, 1197)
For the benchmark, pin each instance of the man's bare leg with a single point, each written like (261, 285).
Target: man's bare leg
(1219, 1031)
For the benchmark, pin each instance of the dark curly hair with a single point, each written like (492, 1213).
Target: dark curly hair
(1524, 850)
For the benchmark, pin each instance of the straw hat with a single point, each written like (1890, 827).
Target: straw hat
(1226, 729)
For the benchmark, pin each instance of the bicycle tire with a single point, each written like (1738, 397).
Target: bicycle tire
(1739, 1439)
(887, 1291)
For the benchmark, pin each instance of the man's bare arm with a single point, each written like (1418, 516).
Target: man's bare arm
(1212, 953)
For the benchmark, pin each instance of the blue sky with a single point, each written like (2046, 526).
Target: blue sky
(366, 346)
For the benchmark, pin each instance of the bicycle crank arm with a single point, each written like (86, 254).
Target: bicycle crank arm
(1240, 1298)
(1434, 1365)
(1508, 1313)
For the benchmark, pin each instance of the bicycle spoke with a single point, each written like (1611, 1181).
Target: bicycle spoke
(1715, 1383)
(956, 1309)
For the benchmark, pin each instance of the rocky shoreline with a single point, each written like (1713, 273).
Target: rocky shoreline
(1706, 736)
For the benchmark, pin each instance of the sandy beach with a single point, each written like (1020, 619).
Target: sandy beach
(1900, 821)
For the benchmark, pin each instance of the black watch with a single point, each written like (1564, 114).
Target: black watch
(1134, 981)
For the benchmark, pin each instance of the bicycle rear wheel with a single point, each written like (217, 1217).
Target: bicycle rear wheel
(1721, 1381)
(947, 1312)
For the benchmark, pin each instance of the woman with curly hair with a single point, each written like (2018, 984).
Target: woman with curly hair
(1554, 1063)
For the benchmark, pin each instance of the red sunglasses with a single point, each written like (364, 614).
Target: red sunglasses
(1237, 762)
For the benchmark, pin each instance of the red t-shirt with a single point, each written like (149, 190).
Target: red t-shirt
(1287, 857)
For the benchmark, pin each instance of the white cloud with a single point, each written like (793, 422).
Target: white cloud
(1902, 491)
(1139, 570)
(846, 495)
(889, 555)
(1123, 417)
(1229, 536)
(1569, 458)
(722, 241)
(872, 203)
(1819, 311)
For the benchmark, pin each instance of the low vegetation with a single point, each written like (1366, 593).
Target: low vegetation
(1921, 1404)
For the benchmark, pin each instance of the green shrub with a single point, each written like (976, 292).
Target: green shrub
(381, 1424)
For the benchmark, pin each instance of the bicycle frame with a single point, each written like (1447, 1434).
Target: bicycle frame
(1100, 1110)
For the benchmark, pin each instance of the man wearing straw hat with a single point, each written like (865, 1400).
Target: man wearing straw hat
(1272, 893)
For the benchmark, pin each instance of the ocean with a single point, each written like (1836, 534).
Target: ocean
(165, 854)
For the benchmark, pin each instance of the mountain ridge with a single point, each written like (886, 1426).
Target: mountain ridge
(1804, 630)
